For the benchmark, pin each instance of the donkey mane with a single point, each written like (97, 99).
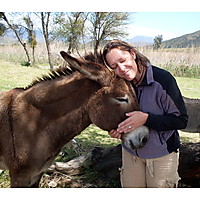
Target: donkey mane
(53, 74)
(66, 71)
(97, 58)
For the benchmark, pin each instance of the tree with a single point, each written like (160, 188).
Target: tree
(2, 29)
(15, 29)
(157, 42)
(31, 35)
(69, 28)
(107, 25)
(2, 26)
(45, 19)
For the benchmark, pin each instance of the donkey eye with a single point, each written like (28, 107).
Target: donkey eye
(122, 99)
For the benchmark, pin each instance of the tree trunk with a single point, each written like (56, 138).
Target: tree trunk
(96, 45)
(45, 29)
(18, 37)
(33, 54)
(74, 166)
(189, 164)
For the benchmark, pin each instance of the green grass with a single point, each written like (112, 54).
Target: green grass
(97, 137)
(4, 179)
(14, 75)
(91, 137)
(190, 87)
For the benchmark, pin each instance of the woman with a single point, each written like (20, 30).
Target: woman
(162, 111)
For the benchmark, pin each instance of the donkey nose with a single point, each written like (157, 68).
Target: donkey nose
(132, 145)
(143, 140)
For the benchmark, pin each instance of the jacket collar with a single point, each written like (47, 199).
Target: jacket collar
(148, 78)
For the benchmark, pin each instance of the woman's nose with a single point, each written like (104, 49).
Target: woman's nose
(121, 67)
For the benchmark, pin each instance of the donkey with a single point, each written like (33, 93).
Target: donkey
(37, 121)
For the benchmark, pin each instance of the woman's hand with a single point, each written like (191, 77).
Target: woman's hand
(135, 119)
(115, 134)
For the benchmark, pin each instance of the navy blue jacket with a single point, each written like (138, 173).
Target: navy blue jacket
(159, 95)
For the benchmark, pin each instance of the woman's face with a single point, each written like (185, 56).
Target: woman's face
(123, 63)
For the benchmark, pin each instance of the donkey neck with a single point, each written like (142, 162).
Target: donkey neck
(58, 108)
(63, 95)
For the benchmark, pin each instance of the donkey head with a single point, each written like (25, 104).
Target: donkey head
(114, 97)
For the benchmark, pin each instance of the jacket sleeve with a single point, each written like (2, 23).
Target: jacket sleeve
(172, 119)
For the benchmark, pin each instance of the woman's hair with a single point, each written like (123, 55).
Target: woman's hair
(140, 60)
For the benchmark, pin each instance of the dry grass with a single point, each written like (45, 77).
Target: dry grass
(183, 62)
(174, 59)
(16, 54)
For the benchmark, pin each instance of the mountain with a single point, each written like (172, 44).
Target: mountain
(141, 40)
(10, 37)
(184, 41)
(7, 40)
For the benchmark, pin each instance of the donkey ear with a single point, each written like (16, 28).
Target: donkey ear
(92, 70)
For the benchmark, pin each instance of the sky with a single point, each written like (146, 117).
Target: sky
(171, 18)
(168, 24)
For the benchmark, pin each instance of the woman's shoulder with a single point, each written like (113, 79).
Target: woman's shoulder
(163, 77)
(161, 74)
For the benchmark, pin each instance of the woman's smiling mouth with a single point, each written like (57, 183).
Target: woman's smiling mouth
(125, 73)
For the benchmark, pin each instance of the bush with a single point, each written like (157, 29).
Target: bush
(25, 63)
(183, 70)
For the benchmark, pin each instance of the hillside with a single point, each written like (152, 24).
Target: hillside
(141, 40)
(184, 41)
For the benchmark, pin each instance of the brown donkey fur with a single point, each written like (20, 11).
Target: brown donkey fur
(37, 121)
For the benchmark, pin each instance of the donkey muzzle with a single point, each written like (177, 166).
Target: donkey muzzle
(136, 138)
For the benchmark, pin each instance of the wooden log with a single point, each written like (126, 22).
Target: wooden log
(74, 166)
(108, 161)
(193, 109)
(189, 162)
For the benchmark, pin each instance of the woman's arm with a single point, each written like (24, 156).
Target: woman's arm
(174, 112)
(171, 119)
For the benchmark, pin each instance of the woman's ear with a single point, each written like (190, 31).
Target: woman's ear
(133, 54)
